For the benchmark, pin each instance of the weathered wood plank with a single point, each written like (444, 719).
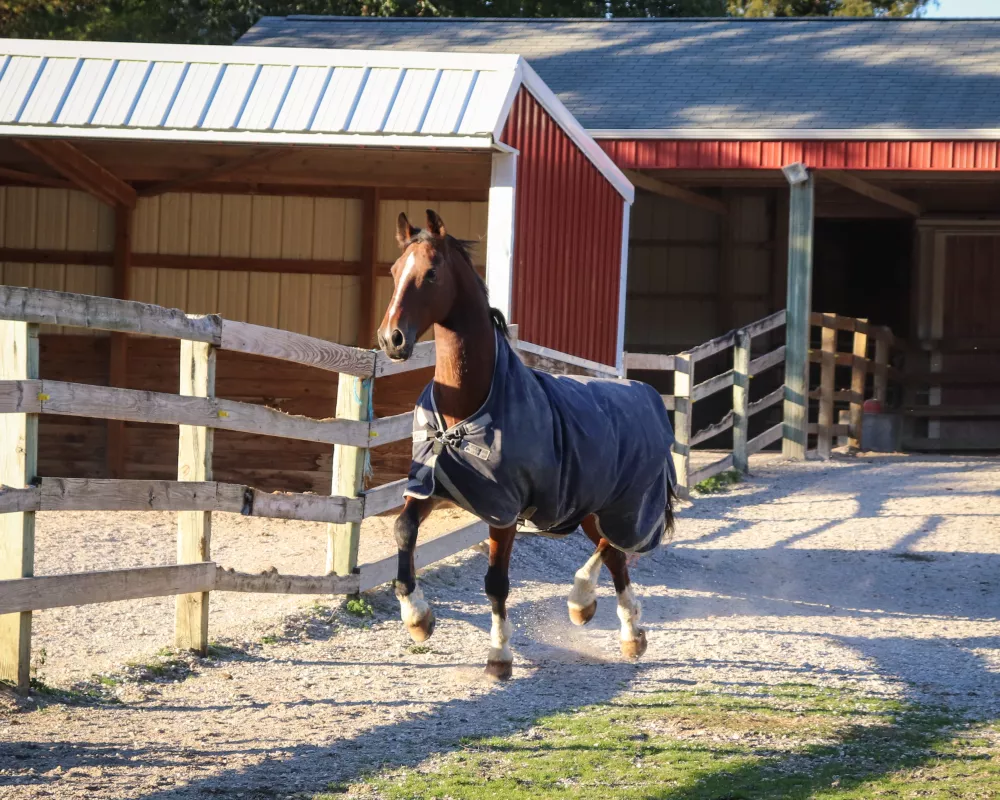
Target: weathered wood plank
(711, 347)
(766, 401)
(768, 323)
(58, 591)
(379, 572)
(305, 507)
(106, 314)
(226, 580)
(244, 337)
(768, 360)
(386, 430)
(770, 436)
(824, 443)
(384, 498)
(712, 385)
(18, 469)
(873, 192)
(422, 357)
(669, 402)
(858, 372)
(649, 361)
(14, 500)
(683, 378)
(134, 405)
(712, 469)
(194, 463)
(548, 360)
(715, 429)
(353, 403)
(651, 184)
(741, 400)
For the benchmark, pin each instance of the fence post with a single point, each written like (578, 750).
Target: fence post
(194, 528)
(18, 468)
(881, 365)
(827, 384)
(353, 402)
(859, 369)
(741, 400)
(799, 300)
(683, 407)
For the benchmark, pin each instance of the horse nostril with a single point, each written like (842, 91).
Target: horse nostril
(396, 338)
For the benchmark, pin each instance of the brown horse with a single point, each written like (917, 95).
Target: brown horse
(437, 285)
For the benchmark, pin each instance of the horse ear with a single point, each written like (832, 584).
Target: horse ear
(404, 230)
(435, 224)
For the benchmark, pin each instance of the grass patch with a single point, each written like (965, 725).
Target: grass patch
(359, 607)
(786, 742)
(719, 483)
(419, 649)
(268, 639)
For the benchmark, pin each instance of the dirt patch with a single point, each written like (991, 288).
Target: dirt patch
(792, 576)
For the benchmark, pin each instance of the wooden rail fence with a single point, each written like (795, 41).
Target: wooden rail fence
(194, 495)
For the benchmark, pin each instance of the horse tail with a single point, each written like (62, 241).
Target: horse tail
(668, 515)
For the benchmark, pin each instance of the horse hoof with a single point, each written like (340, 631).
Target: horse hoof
(422, 631)
(499, 670)
(581, 616)
(633, 648)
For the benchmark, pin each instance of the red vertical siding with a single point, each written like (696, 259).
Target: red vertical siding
(567, 239)
(827, 154)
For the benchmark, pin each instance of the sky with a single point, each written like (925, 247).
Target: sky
(964, 8)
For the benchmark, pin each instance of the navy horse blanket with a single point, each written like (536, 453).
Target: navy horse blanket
(546, 451)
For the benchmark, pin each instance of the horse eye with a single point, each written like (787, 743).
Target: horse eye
(431, 275)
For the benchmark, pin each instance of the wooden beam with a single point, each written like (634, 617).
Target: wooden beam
(118, 368)
(872, 192)
(297, 266)
(194, 528)
(370, 320)
(86, 258)
(81, 170)
(657, 186)
(18, 468)
(257, 159)
(34, 179)
(797, 320)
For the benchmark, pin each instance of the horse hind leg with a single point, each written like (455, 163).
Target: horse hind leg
(633, 637)
(413, 608)
(582, 601)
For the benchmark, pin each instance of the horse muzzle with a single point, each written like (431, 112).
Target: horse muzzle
(396, 343)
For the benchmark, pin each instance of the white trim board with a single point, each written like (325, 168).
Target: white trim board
(796, 134)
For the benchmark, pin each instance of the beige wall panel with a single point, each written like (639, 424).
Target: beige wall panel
(206, 225)
(105, 228)
(172, 288)
(297, 227)
(263, 298)
(234, 287)
(387, 250)
(144, 284)
(175, 224)
(146, 225)
(478, 223)
(20, 230)
(328, 229)
(350, 311)
(265, 231)
(324, 307)
(53, 222)
(294, 302)
(202, 291)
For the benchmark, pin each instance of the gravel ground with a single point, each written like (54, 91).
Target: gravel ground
(874, 573)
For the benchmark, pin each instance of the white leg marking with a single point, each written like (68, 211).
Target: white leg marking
(413, 607)
(584, 591)
(629, 612)
(500, 635)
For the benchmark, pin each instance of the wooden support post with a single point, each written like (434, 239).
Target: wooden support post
(683, 406)
(741, 400)
(18, 468)
(369, 321)
(353, 402)
(798, 302)
(118, 374)
(843, 418)
(194, 463)
(881, 369)
(828, 368)
(859, 370)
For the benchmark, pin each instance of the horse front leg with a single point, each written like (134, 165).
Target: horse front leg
(500, 662)
(633, 638)
(413, 608)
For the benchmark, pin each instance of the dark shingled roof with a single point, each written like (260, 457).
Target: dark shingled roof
(722, 75)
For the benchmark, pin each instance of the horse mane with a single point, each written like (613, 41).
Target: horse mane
(463, 248)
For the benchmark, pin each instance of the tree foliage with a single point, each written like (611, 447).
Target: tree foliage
(224, 21)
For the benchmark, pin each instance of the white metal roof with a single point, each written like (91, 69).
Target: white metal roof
(270, 95)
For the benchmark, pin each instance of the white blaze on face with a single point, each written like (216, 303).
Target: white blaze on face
(411, 261)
